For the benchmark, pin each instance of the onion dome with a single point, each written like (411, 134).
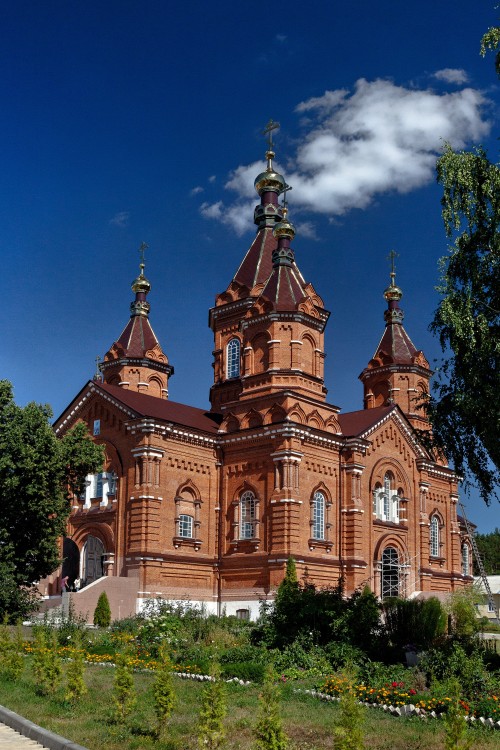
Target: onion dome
(141, 284)
(269, 181)
(141, 287)
(284, 228)
(393, 293)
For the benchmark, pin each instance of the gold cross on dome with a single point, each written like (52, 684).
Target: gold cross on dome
(392, 257)
(142, 250)
(268, 130)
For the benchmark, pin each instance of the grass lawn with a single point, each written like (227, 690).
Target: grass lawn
(307, 721)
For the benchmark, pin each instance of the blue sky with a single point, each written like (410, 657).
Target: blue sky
(126, 121)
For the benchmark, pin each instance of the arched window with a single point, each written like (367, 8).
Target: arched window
(248, 516)
(389, 573)
(434, 537)
(386, 500)
(465, 559)
(233, 358)
(318, 516)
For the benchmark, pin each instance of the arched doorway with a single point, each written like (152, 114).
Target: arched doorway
(390, 580)
(71, 561)
(92, 560)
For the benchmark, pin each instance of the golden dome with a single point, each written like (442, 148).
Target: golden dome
(269, 180)
(141, 284)
(393, 293)
(284, 228)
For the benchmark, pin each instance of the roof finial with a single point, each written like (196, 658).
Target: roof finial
(392, 257)
(141, 287)
(141, 251)
(393, 294)
(97, 375)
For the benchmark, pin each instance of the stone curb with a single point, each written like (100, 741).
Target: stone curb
(34, 732)
(407, 710)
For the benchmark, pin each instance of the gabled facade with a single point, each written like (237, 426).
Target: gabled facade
(208, 505)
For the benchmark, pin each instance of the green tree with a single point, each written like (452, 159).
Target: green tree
(465, 406)
(124, 698)
(455, 725)
(46, 662)
(102, 612)
(38, 475)
(348, 731)
(163, 691)
(76, 687)
(211, 733)
(489, 549)
(269, 732)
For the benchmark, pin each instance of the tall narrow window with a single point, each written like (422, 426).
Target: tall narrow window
(465, 559)
(186, 526)
(434, 536)
(389, 569)
(387, 498)
(233, 358)
(247, 515)
(318, 516)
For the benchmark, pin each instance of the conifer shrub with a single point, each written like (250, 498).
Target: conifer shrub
(269, 733)
(348, 728)
(163, 691)
(75, 687)
(211, 732)
(124, 697)
(102, 613)
(46, 662)
(11, 653)
(455, 725)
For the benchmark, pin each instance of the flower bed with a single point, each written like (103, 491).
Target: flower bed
(395, 694)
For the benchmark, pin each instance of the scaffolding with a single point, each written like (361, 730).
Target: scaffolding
(480, 566)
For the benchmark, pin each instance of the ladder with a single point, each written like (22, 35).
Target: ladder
(480, 565)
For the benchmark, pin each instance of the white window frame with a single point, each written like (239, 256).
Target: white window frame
(248, 515)
(233, 358)
(434, 537)
(465, 559)
(186, 526)
(318, 516)
(386, 501)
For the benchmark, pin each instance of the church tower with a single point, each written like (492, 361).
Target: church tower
(398, 373)
(136, 360)
(269, 323)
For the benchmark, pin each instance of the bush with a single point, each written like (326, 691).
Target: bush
(249, 671)
(453, 660)
(102, 614)
(211, 732)
(414, 622)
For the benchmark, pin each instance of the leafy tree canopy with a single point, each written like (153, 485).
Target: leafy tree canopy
(465, 408)
(489, 549)
(38, 475)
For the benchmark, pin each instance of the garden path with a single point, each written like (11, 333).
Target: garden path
(12, 740)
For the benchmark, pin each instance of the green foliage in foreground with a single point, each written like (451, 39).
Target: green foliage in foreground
(38, 474)
(348, 729)
(269, 732)
(124, 697)
(307, 721)
(163, 691)
(102, 612)
(211, 731)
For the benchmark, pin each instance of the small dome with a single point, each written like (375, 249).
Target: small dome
(284, 228)
(269, 180)
(141, 284)
(393, 293)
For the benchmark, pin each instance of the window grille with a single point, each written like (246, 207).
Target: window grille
(318, 525)
(247, 515)
(233, 358)
(186, 526)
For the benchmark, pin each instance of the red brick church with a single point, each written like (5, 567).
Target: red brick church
(208, 505)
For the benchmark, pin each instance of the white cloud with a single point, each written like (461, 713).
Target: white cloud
(211, 210)
(281, 38)
(376, 139)
(120, 219)
(196, 190)
(306, 229)
(452, 75)
(212, 178)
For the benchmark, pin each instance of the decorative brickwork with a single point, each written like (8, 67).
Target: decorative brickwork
(209, 505)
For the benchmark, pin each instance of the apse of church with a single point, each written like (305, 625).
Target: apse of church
(208, 505)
